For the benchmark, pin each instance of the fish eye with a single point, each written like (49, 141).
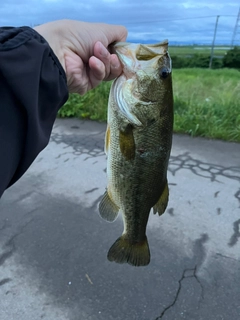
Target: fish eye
(164, 73)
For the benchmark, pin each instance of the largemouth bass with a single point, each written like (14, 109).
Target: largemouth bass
(138, 144)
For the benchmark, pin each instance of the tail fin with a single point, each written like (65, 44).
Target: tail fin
(123, 251)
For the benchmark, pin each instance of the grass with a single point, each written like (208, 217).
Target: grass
(206, 103)
(203, 50)
(92, 105)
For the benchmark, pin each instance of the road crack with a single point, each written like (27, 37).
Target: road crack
(187, 273)
(203, 169)
(227, 257)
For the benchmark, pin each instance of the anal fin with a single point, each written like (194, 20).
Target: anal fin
(162, 203)
(107, 208)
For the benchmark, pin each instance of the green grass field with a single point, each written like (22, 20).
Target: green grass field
(204, 50)
(206, 103)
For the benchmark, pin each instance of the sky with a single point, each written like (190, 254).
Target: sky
(187, 21)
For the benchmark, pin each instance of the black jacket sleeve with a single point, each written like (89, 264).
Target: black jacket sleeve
(32, 89)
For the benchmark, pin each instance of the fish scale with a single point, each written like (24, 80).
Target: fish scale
(138, 144)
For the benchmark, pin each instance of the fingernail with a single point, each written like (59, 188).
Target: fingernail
(115, 63)
(103, 51)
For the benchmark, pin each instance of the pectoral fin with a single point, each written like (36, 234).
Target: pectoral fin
(107, 208)
(107, 140)
(161, 205)
(127, 143)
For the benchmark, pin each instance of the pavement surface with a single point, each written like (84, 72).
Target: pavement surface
(53, 243)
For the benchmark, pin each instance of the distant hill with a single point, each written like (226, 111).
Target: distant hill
(179, 43)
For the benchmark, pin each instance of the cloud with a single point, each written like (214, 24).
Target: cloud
(145, 20)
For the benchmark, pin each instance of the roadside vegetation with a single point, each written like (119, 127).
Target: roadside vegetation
(199, 57)
(206, 102)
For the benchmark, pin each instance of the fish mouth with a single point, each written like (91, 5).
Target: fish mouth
(132, 55)
(126, 55)
(139, 51)
(113, 47)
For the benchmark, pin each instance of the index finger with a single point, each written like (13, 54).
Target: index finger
(114, 33)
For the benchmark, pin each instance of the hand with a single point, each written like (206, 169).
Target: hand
(81, 48)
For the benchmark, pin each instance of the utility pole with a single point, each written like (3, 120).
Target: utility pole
(213, 43)
(236, 31)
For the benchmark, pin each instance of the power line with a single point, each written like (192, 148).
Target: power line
(178, 19)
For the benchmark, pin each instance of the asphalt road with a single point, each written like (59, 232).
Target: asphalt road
(53, 244)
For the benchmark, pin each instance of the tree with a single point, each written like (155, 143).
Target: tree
(232, 58)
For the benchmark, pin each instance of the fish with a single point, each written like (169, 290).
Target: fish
(138, 143)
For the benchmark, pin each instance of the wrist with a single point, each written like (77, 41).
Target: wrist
(51, 34)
